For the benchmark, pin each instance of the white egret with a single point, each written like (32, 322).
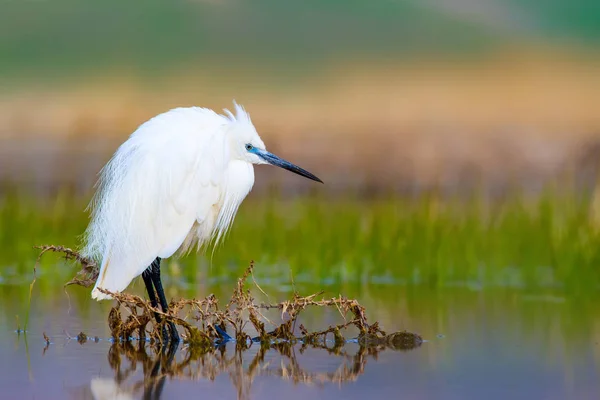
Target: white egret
(174, 184)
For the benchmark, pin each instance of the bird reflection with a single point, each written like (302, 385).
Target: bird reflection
(155, 366)
(158, 365)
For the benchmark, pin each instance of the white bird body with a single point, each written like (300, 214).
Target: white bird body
(176, 183)
(159, 194)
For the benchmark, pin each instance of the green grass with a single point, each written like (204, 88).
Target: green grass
(547, 242)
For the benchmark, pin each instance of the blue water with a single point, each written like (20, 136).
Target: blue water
(491, 345)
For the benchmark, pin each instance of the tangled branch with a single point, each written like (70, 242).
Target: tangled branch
(211, 325)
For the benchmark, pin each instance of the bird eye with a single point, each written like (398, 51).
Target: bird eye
(249, 147)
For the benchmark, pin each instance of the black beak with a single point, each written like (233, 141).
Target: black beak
(280, 162)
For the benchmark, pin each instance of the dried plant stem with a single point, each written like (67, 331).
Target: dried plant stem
(213, 323)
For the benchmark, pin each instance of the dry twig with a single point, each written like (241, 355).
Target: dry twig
(213, 323)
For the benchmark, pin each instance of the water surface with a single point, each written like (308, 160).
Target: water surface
(493, 344)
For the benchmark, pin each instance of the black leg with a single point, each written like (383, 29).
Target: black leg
(155, 277)
(147, 276)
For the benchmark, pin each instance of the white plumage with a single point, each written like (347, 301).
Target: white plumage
(177, 182)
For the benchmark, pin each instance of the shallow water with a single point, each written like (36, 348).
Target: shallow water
(493, 344)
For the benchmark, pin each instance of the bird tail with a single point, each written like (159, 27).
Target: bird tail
(102, 281)
(110, 279)
(98, 295)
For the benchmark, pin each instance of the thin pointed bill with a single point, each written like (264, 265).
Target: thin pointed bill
(280, 162)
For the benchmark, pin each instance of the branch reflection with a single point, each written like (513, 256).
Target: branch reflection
(242, 366)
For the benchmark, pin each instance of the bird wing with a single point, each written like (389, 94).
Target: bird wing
(166, 177)
(192, 191)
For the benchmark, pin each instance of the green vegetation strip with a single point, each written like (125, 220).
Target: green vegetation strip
(550, 241)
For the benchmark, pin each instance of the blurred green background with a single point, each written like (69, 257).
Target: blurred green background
(458, 139)
(64, 37)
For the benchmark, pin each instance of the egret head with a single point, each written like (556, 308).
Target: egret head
(249, 147)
